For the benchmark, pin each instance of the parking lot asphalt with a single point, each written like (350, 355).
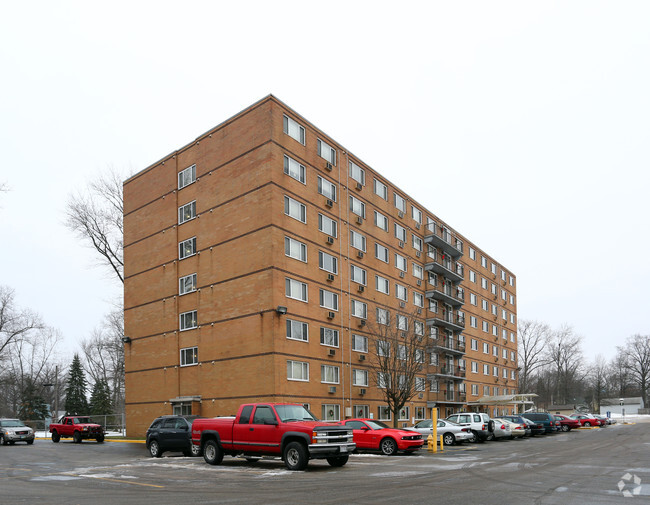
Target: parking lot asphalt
(598, 466)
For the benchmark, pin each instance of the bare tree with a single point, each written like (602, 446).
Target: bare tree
(597, 379)
(15, 323)
(104, 356)
(637, 353)
(97, 218)
(398, 360)
(533, 350)
(619, 373)
(565, 352)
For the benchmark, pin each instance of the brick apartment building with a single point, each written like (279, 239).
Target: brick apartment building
(256, 259)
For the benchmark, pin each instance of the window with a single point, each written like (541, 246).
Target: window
(504, 353)
(504, 314)
(381, 190)
(297, 330)
(329, 374)
(330, 412)
(418, 328)
(383, 316)
(357, 207)
(473, 321)
(187, 284)
(474, 367)
(486, 327)
(493, 268)
(503, 275)
(418, 271)
(326, 188)
(494, 310)
(295, 209)
(382, 284)
(434, 385)
(417, 215)
(512, 299)
(512, 318)
(188, 320)
(297, 370)
(495, 330)
(400, 262)
(474, 344)
(327, 152)
(329, 337)
(190, 356)
(486, 369)
(417, 243)
(359, 377)
(420, 413)
(295, 289)
(381, 253)
(472, 253)
(486, 348)
(400, 203)
(472, 276)
(294, 130)
(381, 221)
(383, 348)
(512, 355)
(493, 289)
(357, 274)
(420, 383)
(495, 371)
(187, 248)
(329, 300)
(359, 309)
(327, 225)
(187, 212)
(512, 375)
(383, 380)
(512, 337)
(473, 299)
(357, 240)
(186, 177)
(433, 305)
(485, 305)
(504, 295)
(418, 299)
(383, 413)
(357, 173)
(483, 261)
(402, 322)
(512, 280)
(401, 292)
(484, 283)
(294, 249)
(400, 232)
(495, 351)
(359, 343)
(504, 334)
(294, 169)
(327, 262)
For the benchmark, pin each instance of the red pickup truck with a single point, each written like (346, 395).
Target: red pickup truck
(286, 430)
(77, 427)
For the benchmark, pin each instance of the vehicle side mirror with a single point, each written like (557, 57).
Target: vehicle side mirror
(272, 422)
(365, 428)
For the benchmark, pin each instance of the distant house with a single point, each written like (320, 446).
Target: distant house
(620, 406)
(565, 410)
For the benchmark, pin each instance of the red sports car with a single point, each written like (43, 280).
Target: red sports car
(371, 435)
(567, 423)
(586, 420)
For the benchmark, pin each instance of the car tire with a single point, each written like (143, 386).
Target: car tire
(100, 439)
(30, 442)
(388, 446)
(295, 456)
(448, 439)
(588, 424)
(154, 449)
(76, 437)
(56, 437)
(474, 438)
(491, 426)
(195, 450)
(338, 460)
(212, 453)
(565, 428)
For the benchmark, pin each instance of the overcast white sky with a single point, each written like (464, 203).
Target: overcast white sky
(524, 125)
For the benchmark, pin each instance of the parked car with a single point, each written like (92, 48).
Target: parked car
(171, 434)
(500, 429)
(478, 422)
(544, 418)
(78, 427)
(586, 419)
(451, 432)
(530, 427)
(567, 423)
(14, 430)
(604, 421)
(517, 430)
(372, 435)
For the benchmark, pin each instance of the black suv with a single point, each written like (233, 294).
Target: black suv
(543, 418)
(171, 433)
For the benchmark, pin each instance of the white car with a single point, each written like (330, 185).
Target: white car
(451, 432)
(500, 428)
(516, 429)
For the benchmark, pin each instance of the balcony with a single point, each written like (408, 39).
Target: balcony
(444, 265)
(443, 239)
(447, 319)
(449, 345)
(447, 397)
(448, 371)
(450, 295)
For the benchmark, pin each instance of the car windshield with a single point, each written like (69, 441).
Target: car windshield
(294, 413)
(376, 425)
(11, 423)
(82, 420)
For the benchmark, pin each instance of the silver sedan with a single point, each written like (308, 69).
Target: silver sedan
(451, 432)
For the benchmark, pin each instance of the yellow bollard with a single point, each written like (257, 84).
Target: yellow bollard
(442, 445)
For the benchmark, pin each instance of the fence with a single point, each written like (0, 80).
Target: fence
(114, 424)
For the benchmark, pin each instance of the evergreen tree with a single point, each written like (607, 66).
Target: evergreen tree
(75, 392)
(100, 399)
(33, 406)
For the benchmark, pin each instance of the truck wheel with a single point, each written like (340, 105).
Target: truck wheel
(76, 437)
(295, 456)
(491, 426)
(55, 437)
(473, 438)
(388, 447)
(100, 439)
(448, 438)
(30, 442)
(154, 449)
(195, 450)
(212, 453)
(338, 460)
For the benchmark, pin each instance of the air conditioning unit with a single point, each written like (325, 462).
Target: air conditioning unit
(331, 352)
(361, 288)
(362, 322)
(419, 282)
(402, 334)
(362, 357)
(418, 253)
(359, 254)
(401, 274)
(402, 304)
(362, 391)
(417, 225)
(328, 166)
(332, 389)
(401, 244)
(329, 202)
(359, 186)
(330, 277)
(330, 315)
(419, 311)
(400, 214)
(496, 360)
(359, 220)
(330, 240)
